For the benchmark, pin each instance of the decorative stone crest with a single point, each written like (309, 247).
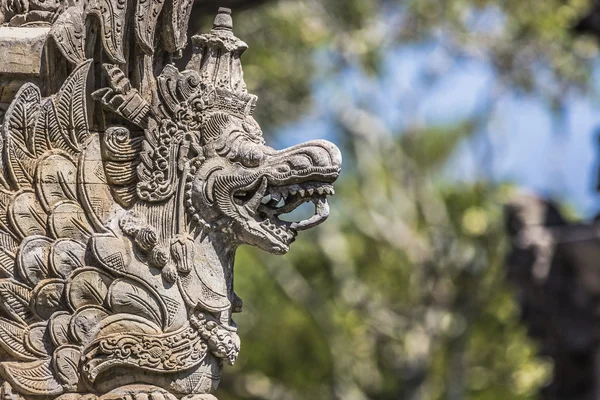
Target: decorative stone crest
(119, 222)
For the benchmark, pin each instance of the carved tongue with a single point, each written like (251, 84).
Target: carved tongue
(321, 214)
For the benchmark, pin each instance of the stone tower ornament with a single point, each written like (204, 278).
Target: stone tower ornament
(126, 187)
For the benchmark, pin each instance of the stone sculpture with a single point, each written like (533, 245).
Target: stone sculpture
(123, 198)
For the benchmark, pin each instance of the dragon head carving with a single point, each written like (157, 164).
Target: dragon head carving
(199, 176)
(240, 171)
(117, 247)
(203, 136)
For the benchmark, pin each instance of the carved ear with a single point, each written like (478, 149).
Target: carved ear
(176, 87)
(167, 87)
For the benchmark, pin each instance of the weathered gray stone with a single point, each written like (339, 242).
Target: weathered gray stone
(21, 50)
(122, 204)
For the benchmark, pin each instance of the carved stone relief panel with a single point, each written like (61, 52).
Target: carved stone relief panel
(124, 195)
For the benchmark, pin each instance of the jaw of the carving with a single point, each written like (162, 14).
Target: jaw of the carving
(255, 199)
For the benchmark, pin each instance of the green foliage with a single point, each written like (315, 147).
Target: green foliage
(391, 302)
(401, 294)
(431, 147)
(528, 43)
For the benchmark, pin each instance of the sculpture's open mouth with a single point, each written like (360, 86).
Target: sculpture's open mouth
(258, 197)
(267, 201)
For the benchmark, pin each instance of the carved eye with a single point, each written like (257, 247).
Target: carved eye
(253, 132)
(252, 155)
(283, 168)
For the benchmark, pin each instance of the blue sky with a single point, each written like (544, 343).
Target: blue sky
(519, 144)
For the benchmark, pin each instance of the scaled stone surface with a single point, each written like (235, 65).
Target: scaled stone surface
(124, 195)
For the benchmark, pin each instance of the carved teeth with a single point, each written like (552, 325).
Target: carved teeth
(328, 190)
(280, 230)
(321, 214)
(276, 196)
(303, 190)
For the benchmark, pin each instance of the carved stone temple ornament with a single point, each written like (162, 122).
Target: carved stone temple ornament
(126, 187)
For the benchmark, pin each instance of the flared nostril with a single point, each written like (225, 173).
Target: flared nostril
(316, 153)
(301, 161)
(336, 155)
(326, 154)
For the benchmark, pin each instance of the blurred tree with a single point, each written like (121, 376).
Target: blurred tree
(401, 294)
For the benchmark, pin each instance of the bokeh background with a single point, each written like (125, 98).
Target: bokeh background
(442, 109)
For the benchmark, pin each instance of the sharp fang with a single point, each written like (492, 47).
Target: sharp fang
(302, 192)
(275, 200)
(320, 190)
(311, 191)
(266, 199)
(255, 201)
(322, 212)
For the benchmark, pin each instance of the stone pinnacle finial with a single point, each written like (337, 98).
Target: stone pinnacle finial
(223, 19)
